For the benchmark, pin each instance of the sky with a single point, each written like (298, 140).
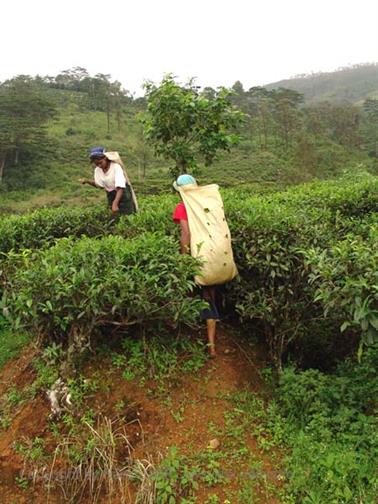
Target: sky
(218, 42)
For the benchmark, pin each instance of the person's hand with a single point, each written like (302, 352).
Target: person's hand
(115, 207)
(82, 180)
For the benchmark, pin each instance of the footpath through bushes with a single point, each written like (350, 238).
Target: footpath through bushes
(306, 257)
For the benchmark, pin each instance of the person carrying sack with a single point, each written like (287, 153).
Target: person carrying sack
(206, 236)
(110, 174)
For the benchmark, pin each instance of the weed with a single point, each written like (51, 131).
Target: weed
(179, 414)
(53, 354)
(22, 482)
(175, 478)
(14, 397)
(93, 461)
(31, 450)
(212, 499)
(159, 358)
(5, 422)
(46, 376)
(80, 388)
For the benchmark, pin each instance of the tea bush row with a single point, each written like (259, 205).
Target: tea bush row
(279, 241)
(338, 200)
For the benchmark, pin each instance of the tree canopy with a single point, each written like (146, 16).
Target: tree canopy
(187, 126)
(24, 112)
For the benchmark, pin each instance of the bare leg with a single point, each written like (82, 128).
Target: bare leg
(211, 329)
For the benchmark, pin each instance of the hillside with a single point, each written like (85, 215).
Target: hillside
(352, 84)
(112, 357)
(48, 125)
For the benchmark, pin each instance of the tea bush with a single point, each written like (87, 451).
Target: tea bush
(329, 424)
(346, 280)
(41, 227)
(69, 291)
(272, 236)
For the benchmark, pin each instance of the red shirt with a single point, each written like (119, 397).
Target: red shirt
(180, 213)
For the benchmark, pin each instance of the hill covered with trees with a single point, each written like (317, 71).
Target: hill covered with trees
(352, 84)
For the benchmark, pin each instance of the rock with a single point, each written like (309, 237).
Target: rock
(214, 444)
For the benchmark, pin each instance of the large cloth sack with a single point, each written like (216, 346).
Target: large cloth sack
(210, 238)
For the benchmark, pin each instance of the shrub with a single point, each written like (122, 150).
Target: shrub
(94, 283)
(42, 227)
(331, 428)
(346, 279)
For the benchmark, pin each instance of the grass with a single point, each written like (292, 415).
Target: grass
(11, 343)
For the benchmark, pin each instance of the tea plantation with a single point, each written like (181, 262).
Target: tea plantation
(81, 285)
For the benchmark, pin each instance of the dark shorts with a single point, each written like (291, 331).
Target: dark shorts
(211, 294)
(126, 204)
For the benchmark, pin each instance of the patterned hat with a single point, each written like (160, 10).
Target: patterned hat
(97, 152)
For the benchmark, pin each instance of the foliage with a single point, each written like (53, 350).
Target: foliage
(40, 228)
(10, 342)
(174, 479)
(329, 423)
(93, 461)
(186, 126)
(346, 278)
(273, 238)
(111, 282)
(160, 357)
(24, 112)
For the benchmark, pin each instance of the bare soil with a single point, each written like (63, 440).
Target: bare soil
(153, 424)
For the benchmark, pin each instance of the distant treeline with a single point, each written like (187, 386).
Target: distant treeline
(314, 138)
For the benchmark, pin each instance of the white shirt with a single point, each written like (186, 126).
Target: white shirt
(113, 178)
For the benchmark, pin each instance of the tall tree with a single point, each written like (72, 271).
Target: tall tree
(24, 112)
(369, 126)
(285, 112)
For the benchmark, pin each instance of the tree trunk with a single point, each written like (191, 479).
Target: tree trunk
(108, 113)
(2, 165)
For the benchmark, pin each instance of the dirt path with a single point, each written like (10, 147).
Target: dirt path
(194, 412)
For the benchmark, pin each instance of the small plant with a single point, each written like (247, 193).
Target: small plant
(175, 478)
(22, 482)
(212, 467)
(212, 499)
(5, 422)
(179, 414)
(80, 388)
(14, 397)
(94, 461)
(53, 354)
(161, 358)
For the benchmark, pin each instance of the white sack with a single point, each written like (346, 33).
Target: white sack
(210, 238)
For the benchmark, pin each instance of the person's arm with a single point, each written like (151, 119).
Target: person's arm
(115, 204)
(89, 182)
(184, 237)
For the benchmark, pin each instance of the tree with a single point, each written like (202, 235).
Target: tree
(285, 112)
(188, 127)
(369, 126)
(258, 109)
(24, 112)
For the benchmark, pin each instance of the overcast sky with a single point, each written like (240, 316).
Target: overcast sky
(217, 41)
